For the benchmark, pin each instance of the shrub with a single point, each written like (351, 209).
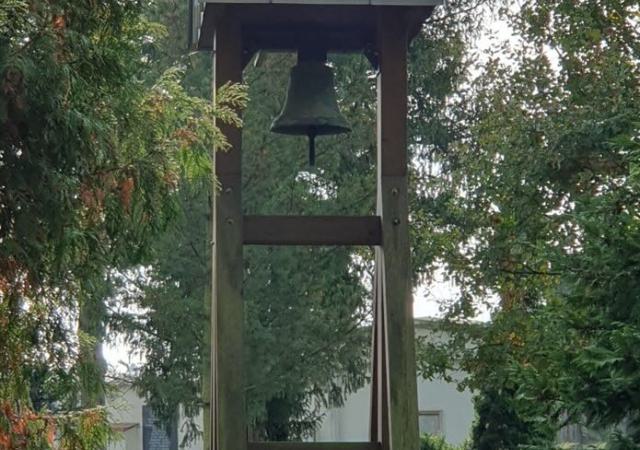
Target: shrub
(431, 442)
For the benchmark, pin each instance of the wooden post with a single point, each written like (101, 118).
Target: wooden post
(228, 417)
(394, 384)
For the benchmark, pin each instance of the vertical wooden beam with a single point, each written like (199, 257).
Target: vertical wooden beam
(379, 424)
(392, 258)
(374, 412)
(207, 365)
(228, 420)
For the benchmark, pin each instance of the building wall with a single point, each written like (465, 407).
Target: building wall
(448, 411)
(125, 411)
(455, 408)
(351, 421)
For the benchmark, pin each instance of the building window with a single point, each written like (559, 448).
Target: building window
(430, 422)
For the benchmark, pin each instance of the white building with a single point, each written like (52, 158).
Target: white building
(443, 410)
(134, 421)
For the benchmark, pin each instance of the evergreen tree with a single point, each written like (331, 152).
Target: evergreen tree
(91, 148)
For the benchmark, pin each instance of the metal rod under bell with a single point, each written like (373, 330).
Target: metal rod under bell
(312, 150)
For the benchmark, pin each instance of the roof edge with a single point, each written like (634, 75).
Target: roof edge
(336, 2)
(197, 10)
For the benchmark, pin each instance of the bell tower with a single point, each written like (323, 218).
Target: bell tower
(381, 29)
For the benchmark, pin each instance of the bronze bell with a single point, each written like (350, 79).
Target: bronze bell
(311, 107)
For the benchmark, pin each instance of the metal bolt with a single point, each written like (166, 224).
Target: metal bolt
(394, 191)
(396, 221)
(228, 190)
(230, 221)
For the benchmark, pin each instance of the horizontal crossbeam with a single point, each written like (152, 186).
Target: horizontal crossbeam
(312, 230)
(314, 446)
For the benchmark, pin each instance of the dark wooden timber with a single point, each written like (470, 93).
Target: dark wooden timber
(228, 423)
(396, 420)
(282, 27)
(312, 230)
(314, 446)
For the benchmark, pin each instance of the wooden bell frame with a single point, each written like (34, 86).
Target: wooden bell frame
(234, 31)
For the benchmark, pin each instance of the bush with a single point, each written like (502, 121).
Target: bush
(430, 442)
(499, 425)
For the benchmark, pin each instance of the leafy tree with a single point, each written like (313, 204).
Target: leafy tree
(500, 426)
(538, 208)
(91, 150)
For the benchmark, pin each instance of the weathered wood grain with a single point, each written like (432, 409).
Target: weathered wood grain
(392, 258)
(228, 418)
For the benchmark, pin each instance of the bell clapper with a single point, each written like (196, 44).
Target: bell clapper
(312, 149)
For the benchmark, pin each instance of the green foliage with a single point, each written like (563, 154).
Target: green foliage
(306, 307)
(431, 442)
(93, 141)
(536, 207)
(88, 430)
(500, 426)
(79, 430)
(90, 154)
